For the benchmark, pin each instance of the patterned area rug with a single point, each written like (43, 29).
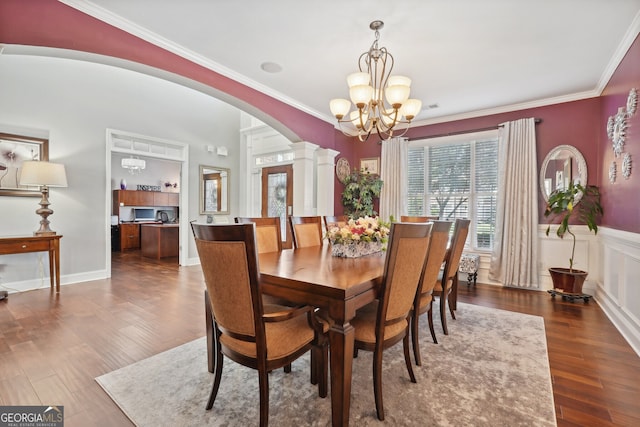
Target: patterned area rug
(491, 370)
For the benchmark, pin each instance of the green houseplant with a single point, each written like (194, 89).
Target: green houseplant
(582, 203)
(360, 191)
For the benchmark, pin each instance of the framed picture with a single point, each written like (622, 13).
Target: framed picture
(371, 165)
(15, 150)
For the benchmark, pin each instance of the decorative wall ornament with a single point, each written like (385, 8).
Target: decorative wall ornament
(632, 102)
(612, 172)
(619, 131)
(343, 169)
(610, 124)
(626, 166)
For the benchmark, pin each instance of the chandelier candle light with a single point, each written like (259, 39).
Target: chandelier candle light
(381, 100)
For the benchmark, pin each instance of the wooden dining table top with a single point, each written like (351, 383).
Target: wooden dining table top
(314, 269)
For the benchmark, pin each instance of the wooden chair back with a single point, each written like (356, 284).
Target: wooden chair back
(435, 257)
(335, 221)
(460, 232)
(306, 231)
(407, 218)
(228, 256)
(406, 255)
(267, 232)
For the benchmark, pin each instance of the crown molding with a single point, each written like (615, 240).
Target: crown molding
(618, 55)
(119, 22)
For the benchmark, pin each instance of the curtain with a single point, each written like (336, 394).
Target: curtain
(393, 172)
(514, 259)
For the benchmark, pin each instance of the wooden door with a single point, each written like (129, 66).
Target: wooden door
(277, 197)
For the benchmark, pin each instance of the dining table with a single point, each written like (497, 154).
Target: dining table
(339, 286)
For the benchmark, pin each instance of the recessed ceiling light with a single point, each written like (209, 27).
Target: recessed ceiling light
(271, 67)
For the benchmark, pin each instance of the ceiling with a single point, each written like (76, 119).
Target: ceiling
(465, 57)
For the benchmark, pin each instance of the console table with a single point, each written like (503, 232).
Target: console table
(23, 244)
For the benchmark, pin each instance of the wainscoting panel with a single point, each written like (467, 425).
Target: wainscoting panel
(618, 293)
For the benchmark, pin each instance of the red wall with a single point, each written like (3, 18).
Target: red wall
(574, 123)
(621, 200)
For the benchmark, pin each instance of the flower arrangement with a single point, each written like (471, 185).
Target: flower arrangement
(365, 229)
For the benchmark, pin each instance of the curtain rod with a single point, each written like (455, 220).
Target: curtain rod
(462, 132)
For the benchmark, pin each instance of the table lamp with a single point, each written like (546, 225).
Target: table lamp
(45, 175)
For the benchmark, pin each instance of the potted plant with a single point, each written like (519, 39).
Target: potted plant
(361, 188)
(582, 203)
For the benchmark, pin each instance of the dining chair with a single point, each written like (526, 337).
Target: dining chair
(244, 332)
(424, 296)
(407, 218)
(385, 322)
(335, 221)
(269, 240)
(268, 233)
(306, 231)
(444, 285)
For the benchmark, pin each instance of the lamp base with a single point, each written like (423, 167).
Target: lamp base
(44, 233)
(3, 295)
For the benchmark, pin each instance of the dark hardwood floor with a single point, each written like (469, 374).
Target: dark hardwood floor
(52, 347)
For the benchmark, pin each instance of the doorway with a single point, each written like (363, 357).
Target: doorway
(277, 198)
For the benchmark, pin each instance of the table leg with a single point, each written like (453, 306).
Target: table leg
(341, 338)
(52, 269)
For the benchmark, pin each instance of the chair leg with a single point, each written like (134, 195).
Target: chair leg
(414, 338)
(320, 368)
(211, 340)
(443, 317)
(407, 357)
(451, 310)
(263, 381)
(287, 368)
(430, 318)
(377, 382)
(216, 379)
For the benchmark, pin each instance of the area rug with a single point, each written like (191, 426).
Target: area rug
(491, 370)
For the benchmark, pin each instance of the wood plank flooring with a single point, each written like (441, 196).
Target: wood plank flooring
(52, 347)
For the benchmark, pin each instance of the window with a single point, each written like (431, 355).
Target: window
(456, 177)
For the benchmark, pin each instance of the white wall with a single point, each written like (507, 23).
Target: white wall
(73, 102)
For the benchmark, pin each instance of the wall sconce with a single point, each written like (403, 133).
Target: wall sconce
(45, 175)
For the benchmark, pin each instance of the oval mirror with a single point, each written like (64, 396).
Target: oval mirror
(563, 164)
(214, 190)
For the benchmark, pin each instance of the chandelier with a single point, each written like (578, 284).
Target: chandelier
(381, 100)
(135, 165)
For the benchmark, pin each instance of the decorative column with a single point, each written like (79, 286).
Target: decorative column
(304, 185)
(326, 166)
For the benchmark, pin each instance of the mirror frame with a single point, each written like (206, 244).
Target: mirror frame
(224, 188)
(580, 162)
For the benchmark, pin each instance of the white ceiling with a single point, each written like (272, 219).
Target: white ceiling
(469, 57)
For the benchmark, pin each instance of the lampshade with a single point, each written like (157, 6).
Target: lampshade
(43, 173)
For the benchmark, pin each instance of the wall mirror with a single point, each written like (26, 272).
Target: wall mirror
(214, 190)
(563, 164)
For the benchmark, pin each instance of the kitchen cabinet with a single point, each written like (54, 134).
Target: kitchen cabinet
(129, 236)
(143, 198)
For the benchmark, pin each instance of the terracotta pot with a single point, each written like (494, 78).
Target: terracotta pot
(569, 281)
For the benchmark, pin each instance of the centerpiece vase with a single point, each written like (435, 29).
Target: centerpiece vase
(355, 249)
